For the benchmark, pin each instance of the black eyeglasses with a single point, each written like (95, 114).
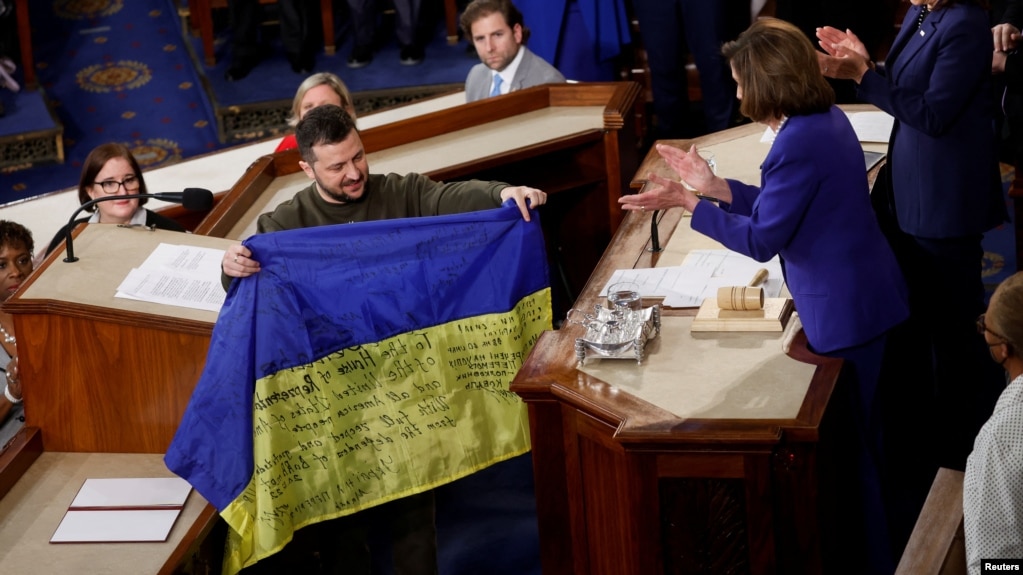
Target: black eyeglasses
(111, 187)
(981, 328)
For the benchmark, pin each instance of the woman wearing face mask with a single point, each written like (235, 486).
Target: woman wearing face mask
(992, 494)
(111, 170)
(15, 265)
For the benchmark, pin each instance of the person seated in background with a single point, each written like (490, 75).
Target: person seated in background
(671, 30)
(246, 50)
(993, 484)
(812, 209)
(1008, 80)
(111, 169)
(16, 247)
(364, 14)
(318, 89)
(499, 35)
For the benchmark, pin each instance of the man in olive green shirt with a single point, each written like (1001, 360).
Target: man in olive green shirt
(343, 191)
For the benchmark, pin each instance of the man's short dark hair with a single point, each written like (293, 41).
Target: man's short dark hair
(482, 8)
(323, 125)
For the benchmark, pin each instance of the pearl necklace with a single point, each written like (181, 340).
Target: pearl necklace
(8, 338)
(781, 124)
(923, 14)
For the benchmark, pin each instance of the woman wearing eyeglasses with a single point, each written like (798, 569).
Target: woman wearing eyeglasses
(992, 494)
(111, 170)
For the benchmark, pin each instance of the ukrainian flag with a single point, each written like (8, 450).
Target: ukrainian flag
(364, 363)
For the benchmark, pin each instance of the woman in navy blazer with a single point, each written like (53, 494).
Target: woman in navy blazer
(944, 192)
(813, 209)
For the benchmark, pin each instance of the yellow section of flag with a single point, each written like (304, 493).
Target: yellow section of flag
(376, 422)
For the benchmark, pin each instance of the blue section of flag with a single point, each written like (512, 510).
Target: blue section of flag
(325, 289)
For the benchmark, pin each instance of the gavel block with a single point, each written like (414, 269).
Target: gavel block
(773, 316)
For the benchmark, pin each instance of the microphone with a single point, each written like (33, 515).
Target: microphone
(193, 199)
(655, 241)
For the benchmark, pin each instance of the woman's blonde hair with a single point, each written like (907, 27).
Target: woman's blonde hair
(320, 79)
(1005, 314)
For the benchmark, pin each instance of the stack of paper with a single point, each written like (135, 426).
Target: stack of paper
(700, 276)
(186, 276)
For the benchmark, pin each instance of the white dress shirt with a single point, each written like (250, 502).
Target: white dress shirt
(993, 486)
(508, 74)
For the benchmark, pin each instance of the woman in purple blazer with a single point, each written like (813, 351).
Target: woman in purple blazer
(813, 209)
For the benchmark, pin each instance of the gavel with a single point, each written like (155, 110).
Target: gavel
(744, 298)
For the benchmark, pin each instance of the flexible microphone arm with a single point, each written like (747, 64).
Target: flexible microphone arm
(194, 199)
(655, 241)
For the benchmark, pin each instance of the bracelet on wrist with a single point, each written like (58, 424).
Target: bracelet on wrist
(11, 398)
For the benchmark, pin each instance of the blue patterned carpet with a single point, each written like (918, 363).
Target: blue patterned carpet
(123, 71)
(114, 70)
(1000, 244)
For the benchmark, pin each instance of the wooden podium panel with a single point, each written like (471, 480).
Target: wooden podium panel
(106, 374)
(713, 456)
(574, 141)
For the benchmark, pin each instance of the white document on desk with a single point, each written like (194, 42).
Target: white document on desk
(872, 126)
(699, 276)
(179, 275)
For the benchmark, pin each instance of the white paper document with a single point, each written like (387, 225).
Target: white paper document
(185, 276)
(872, 126)
(699, 276)
(875, 127)
(132, 492)
(115, 525)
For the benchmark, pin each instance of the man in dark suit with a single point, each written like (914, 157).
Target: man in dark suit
(499, 35)
(246, 50)
(364, 13)
(671, 30)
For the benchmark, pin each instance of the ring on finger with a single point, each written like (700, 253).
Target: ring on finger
(236, 259)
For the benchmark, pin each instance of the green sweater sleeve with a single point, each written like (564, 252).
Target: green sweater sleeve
(438, 198)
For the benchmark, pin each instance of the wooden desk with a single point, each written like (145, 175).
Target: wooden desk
(738, 152)
(105, 374)
(36, 504)
(716, 455)
(108, 377)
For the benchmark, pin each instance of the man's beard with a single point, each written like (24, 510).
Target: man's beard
(340, 195)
